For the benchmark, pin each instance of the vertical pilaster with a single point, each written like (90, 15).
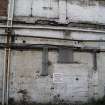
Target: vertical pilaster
(62, 10)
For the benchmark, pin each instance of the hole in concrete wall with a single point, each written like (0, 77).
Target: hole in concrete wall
(58, 95)
(24, 41)
(77, 79)
(52, 88)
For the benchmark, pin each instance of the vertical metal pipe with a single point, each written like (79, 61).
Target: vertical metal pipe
(8, 54)
(5, 75)
(8, 75)
(4, 80)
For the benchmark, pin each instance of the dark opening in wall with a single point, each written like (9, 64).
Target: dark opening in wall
(65, 55)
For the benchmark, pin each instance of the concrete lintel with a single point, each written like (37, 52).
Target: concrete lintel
(50, 46)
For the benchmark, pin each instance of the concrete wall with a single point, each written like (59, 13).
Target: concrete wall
(89, 11)
(89, 85)
(64, 11)
(76, 81)
(26, 67)
(65, 82)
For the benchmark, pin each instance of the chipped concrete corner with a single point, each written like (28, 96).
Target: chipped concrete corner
(52, 50)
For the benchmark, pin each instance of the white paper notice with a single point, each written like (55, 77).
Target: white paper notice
(58, 78)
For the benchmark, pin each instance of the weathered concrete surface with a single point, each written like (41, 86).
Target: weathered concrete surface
(72, 35)
(74, 83)
(46, 8)
(80, 82)
(86, 11)
(77, 80)
(26, 70)
(63, 11)
(26, 76)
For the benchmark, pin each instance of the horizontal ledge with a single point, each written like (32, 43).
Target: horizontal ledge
(50, 46)
(63, 39)
(59, 28)
(52, 38)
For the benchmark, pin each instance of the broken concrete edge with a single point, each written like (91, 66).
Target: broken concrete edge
(53, 22)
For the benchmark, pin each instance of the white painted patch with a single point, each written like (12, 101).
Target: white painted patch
(75, 82)
(87, 13)
(47, 8)
(87, 36)
(59, 9)
(58, 78)
(22, 8)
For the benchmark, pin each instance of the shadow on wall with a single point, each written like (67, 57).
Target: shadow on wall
(25, 102)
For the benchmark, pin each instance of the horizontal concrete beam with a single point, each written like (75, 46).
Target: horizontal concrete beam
(63, 39)
(50, 46)
(57, 28)
(53, 28)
